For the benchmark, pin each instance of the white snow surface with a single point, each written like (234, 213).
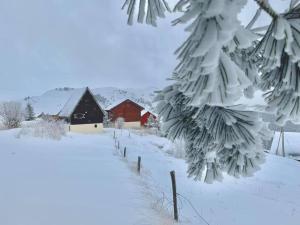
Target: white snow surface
(83, 179)
(291, 144)
(53, 101)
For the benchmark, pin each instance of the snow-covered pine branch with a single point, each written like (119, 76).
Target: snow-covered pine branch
(280, 65)
(212, 75)
(264, 4)
(218, 64)
(148, 10)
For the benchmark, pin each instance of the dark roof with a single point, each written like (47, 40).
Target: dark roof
(74, 100)
(122, 101)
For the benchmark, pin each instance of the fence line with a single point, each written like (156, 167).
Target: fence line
(164, 197)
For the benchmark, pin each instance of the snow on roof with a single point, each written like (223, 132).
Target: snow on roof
(143, 112)
(72, 102)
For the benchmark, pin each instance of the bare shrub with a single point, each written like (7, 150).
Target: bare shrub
(177, 149)
(11, 114)
(1, 125)
(45, 129)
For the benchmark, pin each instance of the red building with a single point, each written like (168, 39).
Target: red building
(145, 117)
(129, 111)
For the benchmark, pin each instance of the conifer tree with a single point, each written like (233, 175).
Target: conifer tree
(152, 122)
(220, 62)
(29, 112)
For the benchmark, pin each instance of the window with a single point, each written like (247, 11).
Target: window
(79, 116)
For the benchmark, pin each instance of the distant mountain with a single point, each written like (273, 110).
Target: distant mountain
(52, 101)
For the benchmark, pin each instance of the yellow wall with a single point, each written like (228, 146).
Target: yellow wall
(132, 124)
(86, 128)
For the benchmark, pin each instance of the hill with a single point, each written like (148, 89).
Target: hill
(52, 101)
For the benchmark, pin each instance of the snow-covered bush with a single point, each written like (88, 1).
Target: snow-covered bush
(119, 123)
(221, 62)
(11, 114)
(44, 129)
(177, 149)
(107, 123)
(1, 125)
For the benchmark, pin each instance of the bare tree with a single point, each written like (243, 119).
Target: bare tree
(11, 114)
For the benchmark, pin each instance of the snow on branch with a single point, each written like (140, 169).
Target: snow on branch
(214, 71)
(217, 67)
(280, 66)
(147, 9)
(267, 8)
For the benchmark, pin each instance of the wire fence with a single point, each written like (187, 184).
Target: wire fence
(162, 200)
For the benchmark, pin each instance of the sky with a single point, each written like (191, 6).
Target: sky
(46, 44)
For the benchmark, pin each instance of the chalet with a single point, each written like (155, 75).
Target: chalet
(129, 111)
(145, 116)
(82, 112)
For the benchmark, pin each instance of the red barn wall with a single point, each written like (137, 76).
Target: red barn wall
(128, 110)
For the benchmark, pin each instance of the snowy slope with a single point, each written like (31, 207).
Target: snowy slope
(51, 102)
(291, 144)
(83, 179)
(272, 196)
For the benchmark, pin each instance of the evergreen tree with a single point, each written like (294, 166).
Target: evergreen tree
(152, 122)
(29, 112)
(219, 63)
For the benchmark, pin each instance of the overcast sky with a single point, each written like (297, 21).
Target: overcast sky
(46, 44)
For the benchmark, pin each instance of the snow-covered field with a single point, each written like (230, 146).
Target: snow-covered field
(83, 179)
(291, 144)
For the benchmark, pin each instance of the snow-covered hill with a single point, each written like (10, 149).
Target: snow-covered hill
(52, 101)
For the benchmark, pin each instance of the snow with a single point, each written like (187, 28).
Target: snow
(74, 181)
(72, 102)
(83, 179)
(51, 102)
(257, 103)
(144, 111)
(291, 144)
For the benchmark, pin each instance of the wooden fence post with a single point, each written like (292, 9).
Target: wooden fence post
(173, 179)
(139, 164)
(124, 154)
